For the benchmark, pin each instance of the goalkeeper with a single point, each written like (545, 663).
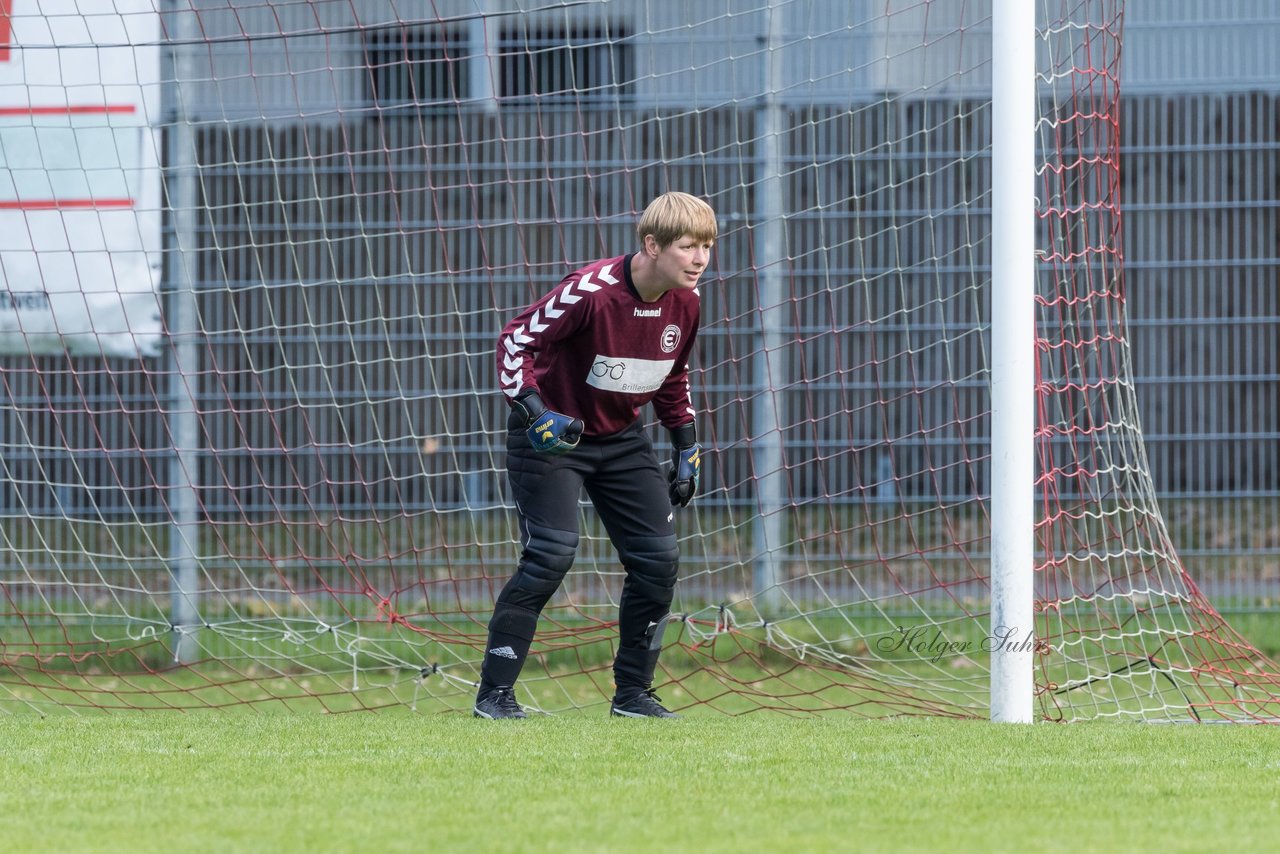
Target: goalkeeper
(576, 367)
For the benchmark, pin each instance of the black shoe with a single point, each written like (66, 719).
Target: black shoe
(498, 704)
(642, 705)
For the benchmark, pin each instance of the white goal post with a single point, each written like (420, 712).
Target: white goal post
(1013, 341)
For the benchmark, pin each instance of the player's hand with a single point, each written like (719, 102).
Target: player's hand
(686, 465)
(549, 432)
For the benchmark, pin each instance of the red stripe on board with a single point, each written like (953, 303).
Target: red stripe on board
(78, 110)
(6, 28)
(61, 204)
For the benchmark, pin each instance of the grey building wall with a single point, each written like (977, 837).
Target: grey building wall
(696, 55)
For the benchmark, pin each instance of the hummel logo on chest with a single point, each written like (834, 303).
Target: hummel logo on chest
(648, 312)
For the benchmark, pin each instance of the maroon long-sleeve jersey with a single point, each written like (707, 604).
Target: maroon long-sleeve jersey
(593, 350)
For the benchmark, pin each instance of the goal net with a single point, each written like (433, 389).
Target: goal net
(257, 254)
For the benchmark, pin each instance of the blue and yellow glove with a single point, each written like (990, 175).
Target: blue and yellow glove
(686, 465)
(549, 432)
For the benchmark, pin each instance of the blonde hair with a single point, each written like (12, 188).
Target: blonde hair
(673, 215)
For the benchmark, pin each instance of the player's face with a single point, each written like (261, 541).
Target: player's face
(684, 260)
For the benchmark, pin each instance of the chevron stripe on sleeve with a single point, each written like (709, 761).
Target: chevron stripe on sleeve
(554, 318)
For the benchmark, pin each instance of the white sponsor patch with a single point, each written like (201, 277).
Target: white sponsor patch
(633, 376)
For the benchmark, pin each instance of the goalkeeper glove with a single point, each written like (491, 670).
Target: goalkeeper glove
(549, 432)
(686, 464)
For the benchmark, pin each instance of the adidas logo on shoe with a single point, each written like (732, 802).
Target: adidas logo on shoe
(504, 652)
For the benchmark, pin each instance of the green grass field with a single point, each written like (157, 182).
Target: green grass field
(389, 782)
(257, 778)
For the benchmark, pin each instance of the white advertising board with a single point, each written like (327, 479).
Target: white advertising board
(80, 218)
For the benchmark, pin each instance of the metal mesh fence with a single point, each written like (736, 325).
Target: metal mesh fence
(343, 350)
